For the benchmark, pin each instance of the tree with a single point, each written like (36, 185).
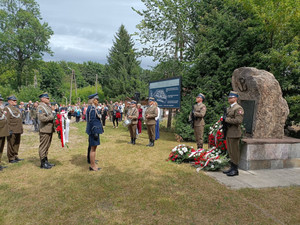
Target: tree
(123, 67)
(23, 37)
(51, 79)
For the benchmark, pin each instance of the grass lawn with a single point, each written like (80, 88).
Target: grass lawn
(135, 186)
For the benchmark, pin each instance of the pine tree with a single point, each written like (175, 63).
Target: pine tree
(123, 67)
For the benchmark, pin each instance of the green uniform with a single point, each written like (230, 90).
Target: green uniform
(4, 132)
(46, 119)
(134, 113)
(152, 112)
(234, 119)
(15, 127)
(199, 113)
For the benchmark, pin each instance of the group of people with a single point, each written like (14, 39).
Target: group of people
(232, 120)
(95, 114)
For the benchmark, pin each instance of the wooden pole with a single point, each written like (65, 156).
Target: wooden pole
(96, 83)
(71, 87)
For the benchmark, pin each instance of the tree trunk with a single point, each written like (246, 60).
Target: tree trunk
(169, 119)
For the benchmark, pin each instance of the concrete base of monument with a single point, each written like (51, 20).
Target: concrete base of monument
(259, 154)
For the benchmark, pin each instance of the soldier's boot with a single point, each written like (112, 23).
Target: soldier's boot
(150, 143)
(234, 171)
(51, 164)
(131, 142)
(44, 164)
(229, 170)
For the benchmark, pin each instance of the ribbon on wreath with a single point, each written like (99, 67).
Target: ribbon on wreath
(62, 128)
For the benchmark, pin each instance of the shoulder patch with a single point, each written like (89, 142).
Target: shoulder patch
(241, 111)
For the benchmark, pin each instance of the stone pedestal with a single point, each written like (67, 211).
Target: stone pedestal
(270, 153)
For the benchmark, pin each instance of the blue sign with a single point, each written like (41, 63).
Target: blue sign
(167, 93)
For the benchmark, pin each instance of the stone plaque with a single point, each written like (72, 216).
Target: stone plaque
(249, 107)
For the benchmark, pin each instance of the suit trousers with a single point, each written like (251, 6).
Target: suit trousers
(13, 145)
(198, 132)
(233, 149)
(2, 143)
(132, 130)
(45, 142)
(151, 131)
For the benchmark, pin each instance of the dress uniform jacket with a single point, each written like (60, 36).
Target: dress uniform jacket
(46, 118)
(134, 113)
(234, 119)
(94, 125)
(199, 113)
(4, 131)
(14, 119)
(152, 112)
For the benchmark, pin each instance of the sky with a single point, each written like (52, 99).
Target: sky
(84, 30)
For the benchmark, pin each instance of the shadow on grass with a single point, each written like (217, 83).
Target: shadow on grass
(80, 161)
(36, 161)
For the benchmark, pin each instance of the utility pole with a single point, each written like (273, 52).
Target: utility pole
(96, 83)
(35, 79)
(71, 86)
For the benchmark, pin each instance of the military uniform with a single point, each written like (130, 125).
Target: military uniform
(46, 119)
(4, 132)
(134, 113)
(15, 126)
(199, 113)
(152, 112)
(234, 119)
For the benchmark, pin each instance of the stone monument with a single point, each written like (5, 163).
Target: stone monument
(266, 111)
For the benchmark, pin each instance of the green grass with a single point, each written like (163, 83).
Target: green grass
(135, 186)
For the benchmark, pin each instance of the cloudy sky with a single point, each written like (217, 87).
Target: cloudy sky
(84, 30)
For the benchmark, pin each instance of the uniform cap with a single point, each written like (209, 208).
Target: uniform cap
(94, 96)
(233, 94)
(201, 96)
(151, 99)
(45, 95)
(12, 97)
(133, 102)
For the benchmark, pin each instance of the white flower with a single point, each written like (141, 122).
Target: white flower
(174, 150)
(212, 166)
(185, 149)
(180, 152)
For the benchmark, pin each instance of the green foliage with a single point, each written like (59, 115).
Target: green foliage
(123, 68)
(6, 91)
(294, 104)
(23, 37)
(83, 94)
(51, 79)
(29, 93)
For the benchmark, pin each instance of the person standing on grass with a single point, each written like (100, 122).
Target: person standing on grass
(93, 129)
(115, 116)
(157, 122)
(133, 116)
(46, 119)
(198, 113)
(34, 117)
(140, 118)
(4, 132)
(15, 126)
(150, 114)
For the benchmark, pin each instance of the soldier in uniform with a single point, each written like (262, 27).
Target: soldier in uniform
(133, 115)
(150, 114)
(46, 119)
(4, 132)
(233, 119)
(199, 111)
(34, 116)
(15, 126)
(93, 129)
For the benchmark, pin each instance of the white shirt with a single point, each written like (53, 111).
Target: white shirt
(158, 114)
(232, 105)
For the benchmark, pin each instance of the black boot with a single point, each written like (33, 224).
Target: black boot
(131, 142)
(49, 163)
(234, 171)
(44, 164)
(229, 170)
(150, 143)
